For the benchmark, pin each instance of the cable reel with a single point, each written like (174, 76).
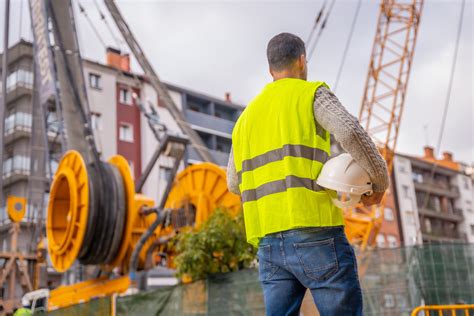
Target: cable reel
(199, 190)
(94, 217)
(89, 211)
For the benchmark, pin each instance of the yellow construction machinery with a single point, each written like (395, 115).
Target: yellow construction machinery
(195, 193)
(384, 97)
(97, 217)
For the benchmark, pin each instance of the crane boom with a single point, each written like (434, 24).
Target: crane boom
(384, 98)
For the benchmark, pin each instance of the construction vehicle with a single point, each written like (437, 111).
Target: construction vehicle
(110, 225)
(96, 213)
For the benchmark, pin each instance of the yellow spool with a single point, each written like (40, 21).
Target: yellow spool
(67, 211)
(126, 173)
(205, 187)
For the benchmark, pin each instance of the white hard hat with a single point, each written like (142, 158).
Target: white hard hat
(343, 174)
(25, 302)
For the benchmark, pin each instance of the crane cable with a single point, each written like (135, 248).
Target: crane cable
(177, 120)
(316, 23)
(447, 102)
(318, 36)
(117, 41)
(20, 20)
(349, 39)
(83, 11)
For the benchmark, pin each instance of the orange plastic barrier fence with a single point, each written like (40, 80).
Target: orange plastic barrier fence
(439, 310)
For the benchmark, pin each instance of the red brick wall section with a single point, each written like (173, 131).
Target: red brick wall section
(129, 114)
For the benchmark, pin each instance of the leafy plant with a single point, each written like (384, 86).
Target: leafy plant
(217, 246)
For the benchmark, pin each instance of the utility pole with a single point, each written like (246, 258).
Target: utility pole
(4, 93)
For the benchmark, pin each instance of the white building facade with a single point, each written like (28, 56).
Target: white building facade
(119, 127)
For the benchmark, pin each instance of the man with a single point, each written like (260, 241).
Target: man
(280, 143)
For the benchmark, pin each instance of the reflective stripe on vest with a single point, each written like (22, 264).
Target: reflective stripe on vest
(279, 151)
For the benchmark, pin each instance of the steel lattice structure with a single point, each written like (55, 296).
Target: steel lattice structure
(384, 98)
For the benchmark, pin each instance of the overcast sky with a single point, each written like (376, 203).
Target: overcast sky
(219, 46)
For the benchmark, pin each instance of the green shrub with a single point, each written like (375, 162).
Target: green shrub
(217, 246)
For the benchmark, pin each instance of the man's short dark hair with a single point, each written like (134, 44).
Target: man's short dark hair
(283, 49)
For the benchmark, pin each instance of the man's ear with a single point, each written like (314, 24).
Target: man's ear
(302, 61)
(270, 71)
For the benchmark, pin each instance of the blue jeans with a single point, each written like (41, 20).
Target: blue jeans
(315, 258)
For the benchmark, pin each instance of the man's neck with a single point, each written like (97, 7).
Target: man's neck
(287, 74)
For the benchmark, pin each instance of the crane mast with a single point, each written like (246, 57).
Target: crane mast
(384, 98)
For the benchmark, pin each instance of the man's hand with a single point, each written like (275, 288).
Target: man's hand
(372, 199)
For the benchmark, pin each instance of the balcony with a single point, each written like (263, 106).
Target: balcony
(19, 83)
(448, 190)
(221, 158)
(432, 237)
(456, 216)
(209, 122)
(17, 125)
(16, 168)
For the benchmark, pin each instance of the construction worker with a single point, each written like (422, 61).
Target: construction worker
(280, 143)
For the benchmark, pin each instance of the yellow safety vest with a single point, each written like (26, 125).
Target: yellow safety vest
(279, 151)
(23, 312)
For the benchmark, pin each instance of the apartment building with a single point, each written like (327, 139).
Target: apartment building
(434, 199)
(113, 92)
(119, 127)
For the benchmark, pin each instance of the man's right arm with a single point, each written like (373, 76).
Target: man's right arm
(333, 117)
(232, 178)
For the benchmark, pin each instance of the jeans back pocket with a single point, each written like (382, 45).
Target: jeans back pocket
(265, 266)
(317, 258)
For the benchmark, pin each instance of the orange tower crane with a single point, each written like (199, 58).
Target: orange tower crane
(384, 98)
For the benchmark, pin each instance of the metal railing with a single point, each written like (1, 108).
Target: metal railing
(18, 121)
(209, 121)
(221, 158)
(16, 165)
(431, 310)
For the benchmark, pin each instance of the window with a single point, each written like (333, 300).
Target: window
(472, 229)
(16, 164)
(20, 78)
(125, 96)
(223, 144)
(206, 138)
(53, 164)
(126, 132)
(428, 226)
(96, 121)
(469, 205)
(392, 241)
(388, 214)
(198, 105)
(410, 217)
(434, 203)
(380, 241)
(18, 121)
(406, 191)
(417, 176)
(466, 183)
(94, 81)
(389, 300)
